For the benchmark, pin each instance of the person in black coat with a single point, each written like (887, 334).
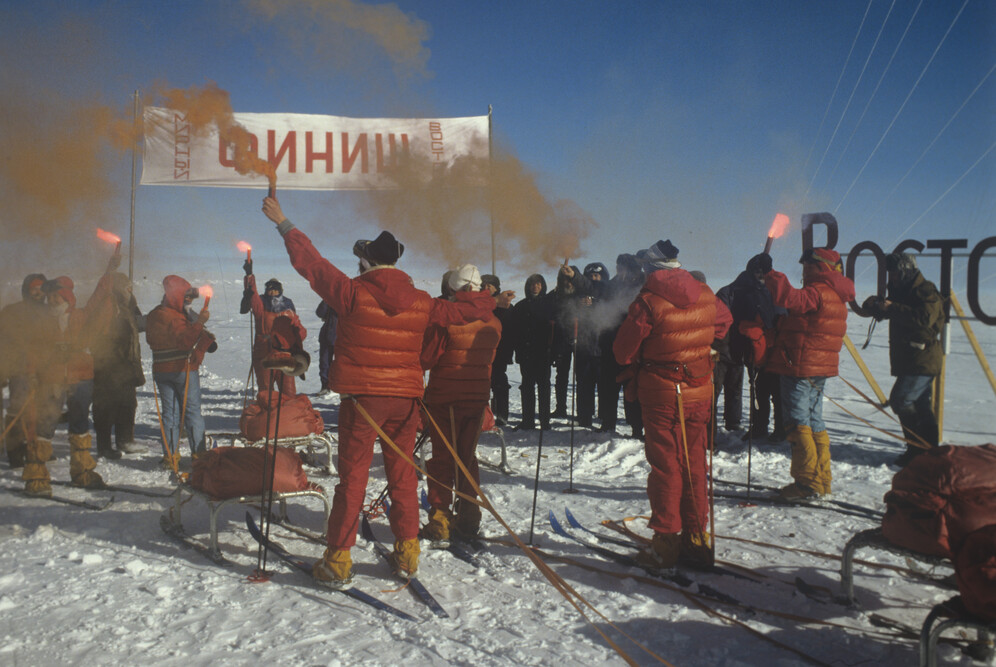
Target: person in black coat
(505, 350)
(326, 344)
(532, 327)
(588, 357)
(566, 304)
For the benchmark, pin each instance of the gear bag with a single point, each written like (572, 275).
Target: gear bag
(230, 472)
(944, 494)
(975, 570)
(298, 418)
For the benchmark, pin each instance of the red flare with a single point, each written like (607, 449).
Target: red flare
(108, 236)
(245, 247)
(778, 226)
(207, 292)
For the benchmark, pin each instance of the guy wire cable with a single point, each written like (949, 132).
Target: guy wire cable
(847, 105)
(903, 105)
(833, 95)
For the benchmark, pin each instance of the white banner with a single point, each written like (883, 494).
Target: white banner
(310, 152)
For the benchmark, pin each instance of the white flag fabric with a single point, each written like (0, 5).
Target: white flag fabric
(310, 152)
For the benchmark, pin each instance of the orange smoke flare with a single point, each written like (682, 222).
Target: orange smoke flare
(207, 292)
(246, 248)
(778, 226)
(110, 238)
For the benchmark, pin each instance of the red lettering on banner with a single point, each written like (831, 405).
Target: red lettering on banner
(181, 148)
(289, 147)
(226, 161)
(436, 147)
(359, 150)
(310, 156)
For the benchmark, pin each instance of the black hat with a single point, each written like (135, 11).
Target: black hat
(385, 249)
(491, 279)
(273, 283)
(662, 250)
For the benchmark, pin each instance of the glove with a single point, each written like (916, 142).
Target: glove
(874, 306)
(247, 267)
(246, 304)
(760, 263)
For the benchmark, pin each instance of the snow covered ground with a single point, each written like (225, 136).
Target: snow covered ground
(109, 587)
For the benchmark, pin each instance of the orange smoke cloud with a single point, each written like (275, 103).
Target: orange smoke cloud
(450, 217)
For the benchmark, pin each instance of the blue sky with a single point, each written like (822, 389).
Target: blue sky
(694, 121)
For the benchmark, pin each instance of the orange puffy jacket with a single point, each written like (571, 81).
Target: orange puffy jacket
(809, 338)
(668, 334)
(174, 339)
(459, 359)
(382, 320)
(70, 360)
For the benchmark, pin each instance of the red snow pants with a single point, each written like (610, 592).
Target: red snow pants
(676, 486)
(398, 418)
(266, 378)
(466, 424)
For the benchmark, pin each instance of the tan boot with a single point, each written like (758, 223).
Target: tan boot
(804, 462)
(696, 549)
(81, 464)
(662, 554)
(406, 554)
(822, 440)
(35, 475)
(438, 528)
(334, 569)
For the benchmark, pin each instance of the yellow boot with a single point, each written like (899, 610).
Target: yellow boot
(662, 554)
(35, 475)
(438, 528)
(334, 569)
(81, 464)
(804, 466)
(406, 554)
(822, 440)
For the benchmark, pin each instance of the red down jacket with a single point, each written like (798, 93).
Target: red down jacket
(939, 498)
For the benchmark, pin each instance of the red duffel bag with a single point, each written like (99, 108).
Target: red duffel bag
(230, 472)
(975, 570)
(939, 498)
(297, 417)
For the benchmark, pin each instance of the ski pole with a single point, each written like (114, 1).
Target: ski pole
(751, 377)
(260, 575)
(539, 456)
(273, 465)
(574, 415)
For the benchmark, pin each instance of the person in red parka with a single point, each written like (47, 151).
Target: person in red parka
(179, 341)
(266, 308)
(458, 358)
(376, 370)
(666, 340)
(805, 353)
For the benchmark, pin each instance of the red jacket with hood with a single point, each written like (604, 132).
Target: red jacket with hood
(809, 338)
(382, 321)
(668, 334)
(175, 339)
(264, 318)
(72, 333)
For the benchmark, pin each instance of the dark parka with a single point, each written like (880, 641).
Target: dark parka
(916, 317)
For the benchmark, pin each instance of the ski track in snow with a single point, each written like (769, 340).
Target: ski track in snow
(108, 587)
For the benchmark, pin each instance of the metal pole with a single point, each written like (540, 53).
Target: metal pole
(491, 194)
(131, 237)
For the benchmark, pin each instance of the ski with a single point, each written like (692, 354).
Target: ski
(604, 538)
(600, 550)
(416, 586)
(305, 567)
(874, 513)
(456, 545)
(120, 489)
(815, 593)
(66, 501)
(188, 542)
(815, 503)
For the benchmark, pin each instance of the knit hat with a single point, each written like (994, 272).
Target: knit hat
(273, 283)
(465, 275)
(596, 267)
(385, 249)
(902, 265)
(820, 255)
(491, 279)
(662, 255)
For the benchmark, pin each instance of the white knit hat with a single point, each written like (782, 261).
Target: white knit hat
(465, 275)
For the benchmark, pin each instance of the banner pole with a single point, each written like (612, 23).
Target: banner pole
(491, 192)
(134, 157)
(979, 354)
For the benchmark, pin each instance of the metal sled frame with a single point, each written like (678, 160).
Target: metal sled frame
(873, 538)
(310, 442)
(502, 466)
(956, 617)
(215, 506)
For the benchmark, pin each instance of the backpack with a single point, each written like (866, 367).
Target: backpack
(230, 472)
(975, 570)
(297, 417)
(944, 494)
